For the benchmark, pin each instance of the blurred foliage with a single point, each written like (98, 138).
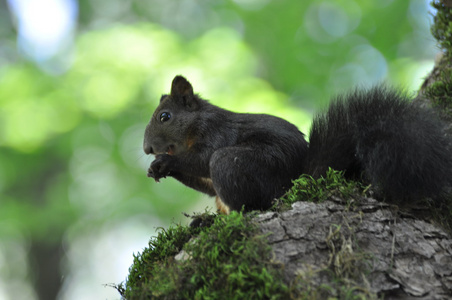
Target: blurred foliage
(71, 143)
(308, 49)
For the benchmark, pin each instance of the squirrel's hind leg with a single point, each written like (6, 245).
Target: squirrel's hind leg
(222, 208)
(245, 178)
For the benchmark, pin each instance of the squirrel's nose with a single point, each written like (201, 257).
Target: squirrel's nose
(148, 149)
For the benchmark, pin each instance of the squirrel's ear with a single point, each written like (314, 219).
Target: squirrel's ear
(182, 89)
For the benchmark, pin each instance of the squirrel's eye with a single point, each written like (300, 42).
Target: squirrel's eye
(165, 116)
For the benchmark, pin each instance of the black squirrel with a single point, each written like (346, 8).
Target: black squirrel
(247, 160)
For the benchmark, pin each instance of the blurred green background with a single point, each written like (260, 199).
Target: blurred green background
(79, 81)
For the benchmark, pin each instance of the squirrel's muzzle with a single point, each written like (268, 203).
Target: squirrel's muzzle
(148, 149)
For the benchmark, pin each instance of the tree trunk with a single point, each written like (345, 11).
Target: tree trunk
(45, 259)
(371, 247)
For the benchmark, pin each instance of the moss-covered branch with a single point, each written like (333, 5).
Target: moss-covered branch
(230, 259)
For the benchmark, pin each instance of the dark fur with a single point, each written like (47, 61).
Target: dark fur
(383, 138)
(250, 159)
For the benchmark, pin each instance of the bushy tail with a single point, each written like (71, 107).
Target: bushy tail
(381, 137)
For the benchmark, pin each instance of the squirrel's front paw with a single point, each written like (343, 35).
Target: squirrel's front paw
(160, 167)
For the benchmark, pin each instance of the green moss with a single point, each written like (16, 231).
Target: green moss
(440, 91)
(228, 260)
(147, 266)
(442, 26)
(306, 188)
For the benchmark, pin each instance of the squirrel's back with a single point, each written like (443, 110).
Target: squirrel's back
(382, 137)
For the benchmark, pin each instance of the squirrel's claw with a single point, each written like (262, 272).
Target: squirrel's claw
(152, 175)
(160, 167)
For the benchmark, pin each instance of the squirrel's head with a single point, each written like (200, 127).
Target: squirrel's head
(174, 118)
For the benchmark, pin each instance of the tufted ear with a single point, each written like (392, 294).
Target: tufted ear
(182, 89)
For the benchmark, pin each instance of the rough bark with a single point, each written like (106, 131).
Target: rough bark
(389, 254)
